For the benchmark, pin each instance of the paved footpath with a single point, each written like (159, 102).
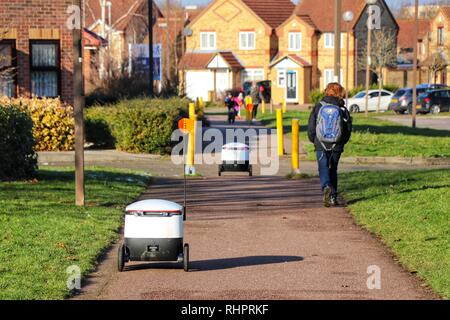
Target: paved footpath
(258, 238)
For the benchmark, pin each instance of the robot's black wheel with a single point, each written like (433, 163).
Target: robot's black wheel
(250, 171)
(121, 258)
(220, 171)
(186, 257)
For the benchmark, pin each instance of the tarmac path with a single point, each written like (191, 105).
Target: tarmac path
(256, 238)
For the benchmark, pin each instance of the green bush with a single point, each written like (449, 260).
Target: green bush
(17, 157)
(138, 125)
(316, 95)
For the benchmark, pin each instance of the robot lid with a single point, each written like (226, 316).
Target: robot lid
(154, 205)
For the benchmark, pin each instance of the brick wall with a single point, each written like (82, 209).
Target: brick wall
(38, 20)
(227, 19)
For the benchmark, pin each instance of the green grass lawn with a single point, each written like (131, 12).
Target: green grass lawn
(410, 211)
(374, 137)
(43, 232)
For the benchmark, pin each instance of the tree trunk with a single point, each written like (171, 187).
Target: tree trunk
(380, 86)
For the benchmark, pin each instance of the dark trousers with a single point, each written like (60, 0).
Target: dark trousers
(255, 110)
(328, 162)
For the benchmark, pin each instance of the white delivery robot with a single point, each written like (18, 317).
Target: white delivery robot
(154, 232)
(235, 157)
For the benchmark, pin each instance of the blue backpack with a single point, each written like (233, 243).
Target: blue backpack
(329, 126)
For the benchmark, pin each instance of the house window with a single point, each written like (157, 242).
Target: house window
(208, 40)
(295, 41)
(281, 78)
(329, 40)
(252, 75)
(45, 70)
(440, 36)
(7, 63)
(247, 40)
(329, 76)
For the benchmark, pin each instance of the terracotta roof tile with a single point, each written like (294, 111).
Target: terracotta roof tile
(232, 61)
(91, 39)
(300, 60)
(322, 11)
(195, 61)
(405, 34)
(273, 12)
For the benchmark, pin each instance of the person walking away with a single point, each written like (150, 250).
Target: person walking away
(330, 128)
(230, 104)
(255, 93)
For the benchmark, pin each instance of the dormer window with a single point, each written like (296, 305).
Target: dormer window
(295, 41)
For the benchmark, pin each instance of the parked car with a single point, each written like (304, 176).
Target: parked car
(402, 100)
(266, 85)
(434, 101)
(358, 102)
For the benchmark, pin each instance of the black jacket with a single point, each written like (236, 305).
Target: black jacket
(347, 130)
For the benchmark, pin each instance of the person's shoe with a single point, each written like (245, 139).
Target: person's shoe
(334, 202)
(327, 197)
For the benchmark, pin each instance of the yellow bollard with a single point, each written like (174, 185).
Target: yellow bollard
(284, 106)
(191, 110)
(280, 132)
(202, 104)
(263, 106)
(295, 146)
(190, 161)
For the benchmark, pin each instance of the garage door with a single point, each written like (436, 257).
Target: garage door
(198, 83)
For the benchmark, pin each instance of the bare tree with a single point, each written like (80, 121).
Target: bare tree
(383, 55)
(435, 63)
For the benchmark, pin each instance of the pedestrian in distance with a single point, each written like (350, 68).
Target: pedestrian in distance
(255, 93)
(230, 103)
(330, 128)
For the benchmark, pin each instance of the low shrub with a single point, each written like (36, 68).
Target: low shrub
(138, 125)
(316, 95)
(53, 122)
(17, 157)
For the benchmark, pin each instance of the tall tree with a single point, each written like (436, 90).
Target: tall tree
(383, 55)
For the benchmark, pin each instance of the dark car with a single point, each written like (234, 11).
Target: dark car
(267, 89)
(434, 101)
(402, 100)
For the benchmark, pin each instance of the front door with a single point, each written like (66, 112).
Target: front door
(291, 86)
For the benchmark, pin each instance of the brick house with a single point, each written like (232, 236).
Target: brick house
(34, 39)
(439, 44)
(402, 73)
(121, 23)
(293, 46)
(230, 42)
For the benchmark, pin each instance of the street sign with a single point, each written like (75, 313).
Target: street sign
(186, 125)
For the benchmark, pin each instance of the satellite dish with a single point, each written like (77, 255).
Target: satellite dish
(187, 32)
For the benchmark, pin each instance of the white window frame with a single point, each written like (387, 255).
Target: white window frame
(251, 74)
(281, 78)
(328, 40)
(292, 41)
(208, 40)
(247, 35)
(329, 73)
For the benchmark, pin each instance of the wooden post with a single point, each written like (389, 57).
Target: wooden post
(78, 106)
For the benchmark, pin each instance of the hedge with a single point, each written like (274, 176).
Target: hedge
(53, 123)
(17, 157)
(138, 125)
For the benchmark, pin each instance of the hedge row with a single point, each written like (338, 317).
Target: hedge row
(139, 125)
(17, 157)
(53, 123)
